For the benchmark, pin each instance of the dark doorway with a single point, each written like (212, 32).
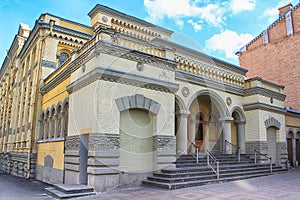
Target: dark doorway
(83, 158)
(290, 150)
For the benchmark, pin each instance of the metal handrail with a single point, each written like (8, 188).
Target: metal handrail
(214, 159)
(237, 147)
(269, 158)
(197, 151)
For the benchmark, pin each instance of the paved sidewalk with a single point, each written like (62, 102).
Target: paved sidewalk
(282, 187)
(17, 188)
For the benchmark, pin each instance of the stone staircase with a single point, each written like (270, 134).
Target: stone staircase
(188, 173)
(64, 191)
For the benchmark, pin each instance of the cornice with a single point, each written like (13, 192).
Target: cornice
(292, 114)
(121, 52)
(205, 82)
(63, 75)
(122, 16)
(111, 75)
(263, 106)
(264, 92)
(199, 56)
(266, 82)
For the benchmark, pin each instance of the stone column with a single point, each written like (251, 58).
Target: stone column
(294, 150)
(241, 135)
(45, 128)
(227, 134)
(192, 134)
(56, 126)
(206, 136)
(50, 128)
(181, 136)
(62, 125)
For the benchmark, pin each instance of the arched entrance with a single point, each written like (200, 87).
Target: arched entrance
(289, 142)
(199, 130)
(238, 130)
(271, 142)
(204, 126)
(298, 148)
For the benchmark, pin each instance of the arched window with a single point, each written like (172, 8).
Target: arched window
(62, 58)
(59, 117)
(199, 126)
(52, 123)
(66, 111)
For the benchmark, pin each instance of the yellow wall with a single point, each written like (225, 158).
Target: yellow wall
(59, 93)
(55, 150)
(76, 27)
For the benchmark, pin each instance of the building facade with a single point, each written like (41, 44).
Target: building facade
(118, 100)
(273, 55)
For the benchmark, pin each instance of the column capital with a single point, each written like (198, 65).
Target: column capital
(226, 119)
(184, 113)
(240, 121)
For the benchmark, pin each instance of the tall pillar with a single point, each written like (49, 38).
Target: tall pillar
(56, 126)
(227, 134)
(62, 125)
(192, 134)
(206, 136)
(181, 136)
(241, 135)
(294, 150)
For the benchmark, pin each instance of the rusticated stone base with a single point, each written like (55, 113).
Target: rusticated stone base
(17, 164)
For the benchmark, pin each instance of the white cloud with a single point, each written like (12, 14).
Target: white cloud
(212, 14)
(273, 13)
(228, 41)
(197, 26)
(238, 6)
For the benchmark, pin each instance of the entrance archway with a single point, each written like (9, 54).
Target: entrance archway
(271, 142)
(205, 128)
(289, 142)
(238, 129)
(298, 147)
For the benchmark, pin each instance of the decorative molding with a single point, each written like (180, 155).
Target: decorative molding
(197, 56)
(123, 78)
(264, 92)
(272, 122)
(49, 64)
(263, 106)
(122, 16)
(209, 83)
(72, 142)
(137, 101)
(164, 142)
(104, 142)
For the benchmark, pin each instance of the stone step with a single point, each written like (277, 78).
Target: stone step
(181, 165)
(172, 186)
(201, 161)
(208, 172)
(211, 176)
(63, 191)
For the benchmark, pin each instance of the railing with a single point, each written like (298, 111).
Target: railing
(196, 155)
(259, 153)
(238, 149)
(212, 160)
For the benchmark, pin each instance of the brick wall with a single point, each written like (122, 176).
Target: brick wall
(279, 60)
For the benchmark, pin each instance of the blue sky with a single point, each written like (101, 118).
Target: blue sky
(216, 27)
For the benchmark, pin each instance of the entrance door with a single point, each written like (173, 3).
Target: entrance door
(298, 151)
(83, 158)
(271, 138)
(199, 136)
(290, 150)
